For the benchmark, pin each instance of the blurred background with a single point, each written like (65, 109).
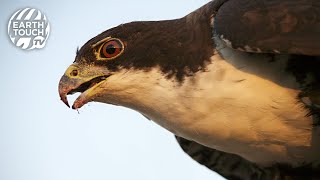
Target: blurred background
(41, 139)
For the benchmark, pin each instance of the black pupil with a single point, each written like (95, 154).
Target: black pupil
(110, 49)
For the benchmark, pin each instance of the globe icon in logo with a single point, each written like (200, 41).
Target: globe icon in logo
(28, 29)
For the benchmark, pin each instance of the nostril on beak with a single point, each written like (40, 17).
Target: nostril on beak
(74, 72)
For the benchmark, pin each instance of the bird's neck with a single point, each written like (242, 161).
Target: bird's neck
(234, 106)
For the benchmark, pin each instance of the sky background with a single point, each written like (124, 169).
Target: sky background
(41, 139)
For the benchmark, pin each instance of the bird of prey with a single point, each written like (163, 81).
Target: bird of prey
(237, 82)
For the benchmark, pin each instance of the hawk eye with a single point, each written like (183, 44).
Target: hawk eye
(111, 49)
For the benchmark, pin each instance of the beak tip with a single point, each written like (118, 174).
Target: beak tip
(63, 89)
(67, 105)
(65, 101)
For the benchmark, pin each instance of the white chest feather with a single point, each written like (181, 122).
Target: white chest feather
(241, 104)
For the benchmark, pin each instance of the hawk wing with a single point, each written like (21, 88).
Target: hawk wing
(235, 167)
(270, 26)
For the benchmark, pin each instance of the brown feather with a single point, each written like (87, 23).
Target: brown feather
(270, 26)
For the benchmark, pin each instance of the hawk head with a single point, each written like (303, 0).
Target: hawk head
(112, 62)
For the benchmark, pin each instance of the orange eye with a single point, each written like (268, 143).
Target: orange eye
(111, 49)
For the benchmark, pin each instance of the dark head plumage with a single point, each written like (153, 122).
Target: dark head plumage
(151, 44)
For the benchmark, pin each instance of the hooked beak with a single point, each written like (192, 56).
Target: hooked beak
(64, 89)
(71, 83)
